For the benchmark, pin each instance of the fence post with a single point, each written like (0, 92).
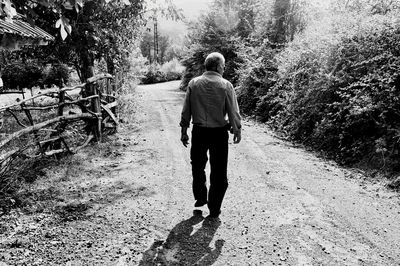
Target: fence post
(60, 112)
(22, 91)
(108, 91)
(61, 101)
(95, 106)
(31, 122)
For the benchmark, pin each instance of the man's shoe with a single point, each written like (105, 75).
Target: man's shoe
(200, 203)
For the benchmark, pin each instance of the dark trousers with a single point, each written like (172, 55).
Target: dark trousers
(215, 141)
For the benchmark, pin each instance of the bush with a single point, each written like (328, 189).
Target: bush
(334, 88)
(21, 75)
(257, 75)
(28, 75)
(58, 74)
(173, 69)
(343, 99)
(153, 75)
(167, 72)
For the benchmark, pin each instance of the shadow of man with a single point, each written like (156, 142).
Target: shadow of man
(184, 246)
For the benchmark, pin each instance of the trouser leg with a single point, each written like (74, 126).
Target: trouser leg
(198, 156)
(218, 175)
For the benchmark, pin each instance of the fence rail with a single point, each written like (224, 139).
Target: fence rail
(59, 120)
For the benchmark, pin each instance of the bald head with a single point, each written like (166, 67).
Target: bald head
(215, 62)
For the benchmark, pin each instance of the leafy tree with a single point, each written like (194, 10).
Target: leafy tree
(281, 20)
(89, 30)
(163, 45)
(247, 14)
(222, 30)
(174, 52)
(147, 47)
(100, 30)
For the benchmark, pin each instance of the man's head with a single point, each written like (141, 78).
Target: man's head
(215, 62)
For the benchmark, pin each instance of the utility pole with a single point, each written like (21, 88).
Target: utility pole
(155, 40)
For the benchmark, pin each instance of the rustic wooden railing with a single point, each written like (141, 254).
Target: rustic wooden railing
(58, 120)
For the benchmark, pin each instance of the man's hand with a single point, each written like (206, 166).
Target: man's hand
(184, 136)
(237, 136)
(185, 139)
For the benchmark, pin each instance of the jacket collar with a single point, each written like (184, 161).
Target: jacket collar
(212, 73)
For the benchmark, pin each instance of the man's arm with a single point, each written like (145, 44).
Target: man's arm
(234, 114)
(185, 118)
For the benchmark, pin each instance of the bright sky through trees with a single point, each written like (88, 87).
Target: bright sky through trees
(191, 10)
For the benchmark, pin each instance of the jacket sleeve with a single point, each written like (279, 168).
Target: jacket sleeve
(186, 110)
(233, 109)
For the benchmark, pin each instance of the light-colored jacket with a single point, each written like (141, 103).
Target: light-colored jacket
(211, 102)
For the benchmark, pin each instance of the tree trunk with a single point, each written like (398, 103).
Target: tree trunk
(280, 13)
(87, 65)
(87, 71)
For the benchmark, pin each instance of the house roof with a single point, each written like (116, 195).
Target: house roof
(21, 28)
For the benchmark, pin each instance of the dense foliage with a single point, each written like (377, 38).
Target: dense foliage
(347, 105)
(30, 74)
(57, 74)
(219, 31)
(325, 76)
(86, 32)
(101, 31)
(22, 75)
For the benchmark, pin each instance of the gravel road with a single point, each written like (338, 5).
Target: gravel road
(284, 206)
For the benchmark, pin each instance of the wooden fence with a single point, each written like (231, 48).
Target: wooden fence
(59, 120)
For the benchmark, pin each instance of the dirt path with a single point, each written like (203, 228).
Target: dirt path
(283, 206)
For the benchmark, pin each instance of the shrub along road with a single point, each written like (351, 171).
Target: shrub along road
(284, 206)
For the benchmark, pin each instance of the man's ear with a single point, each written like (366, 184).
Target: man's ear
(220, 69)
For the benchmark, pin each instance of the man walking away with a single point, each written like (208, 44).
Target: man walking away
(212, 105)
